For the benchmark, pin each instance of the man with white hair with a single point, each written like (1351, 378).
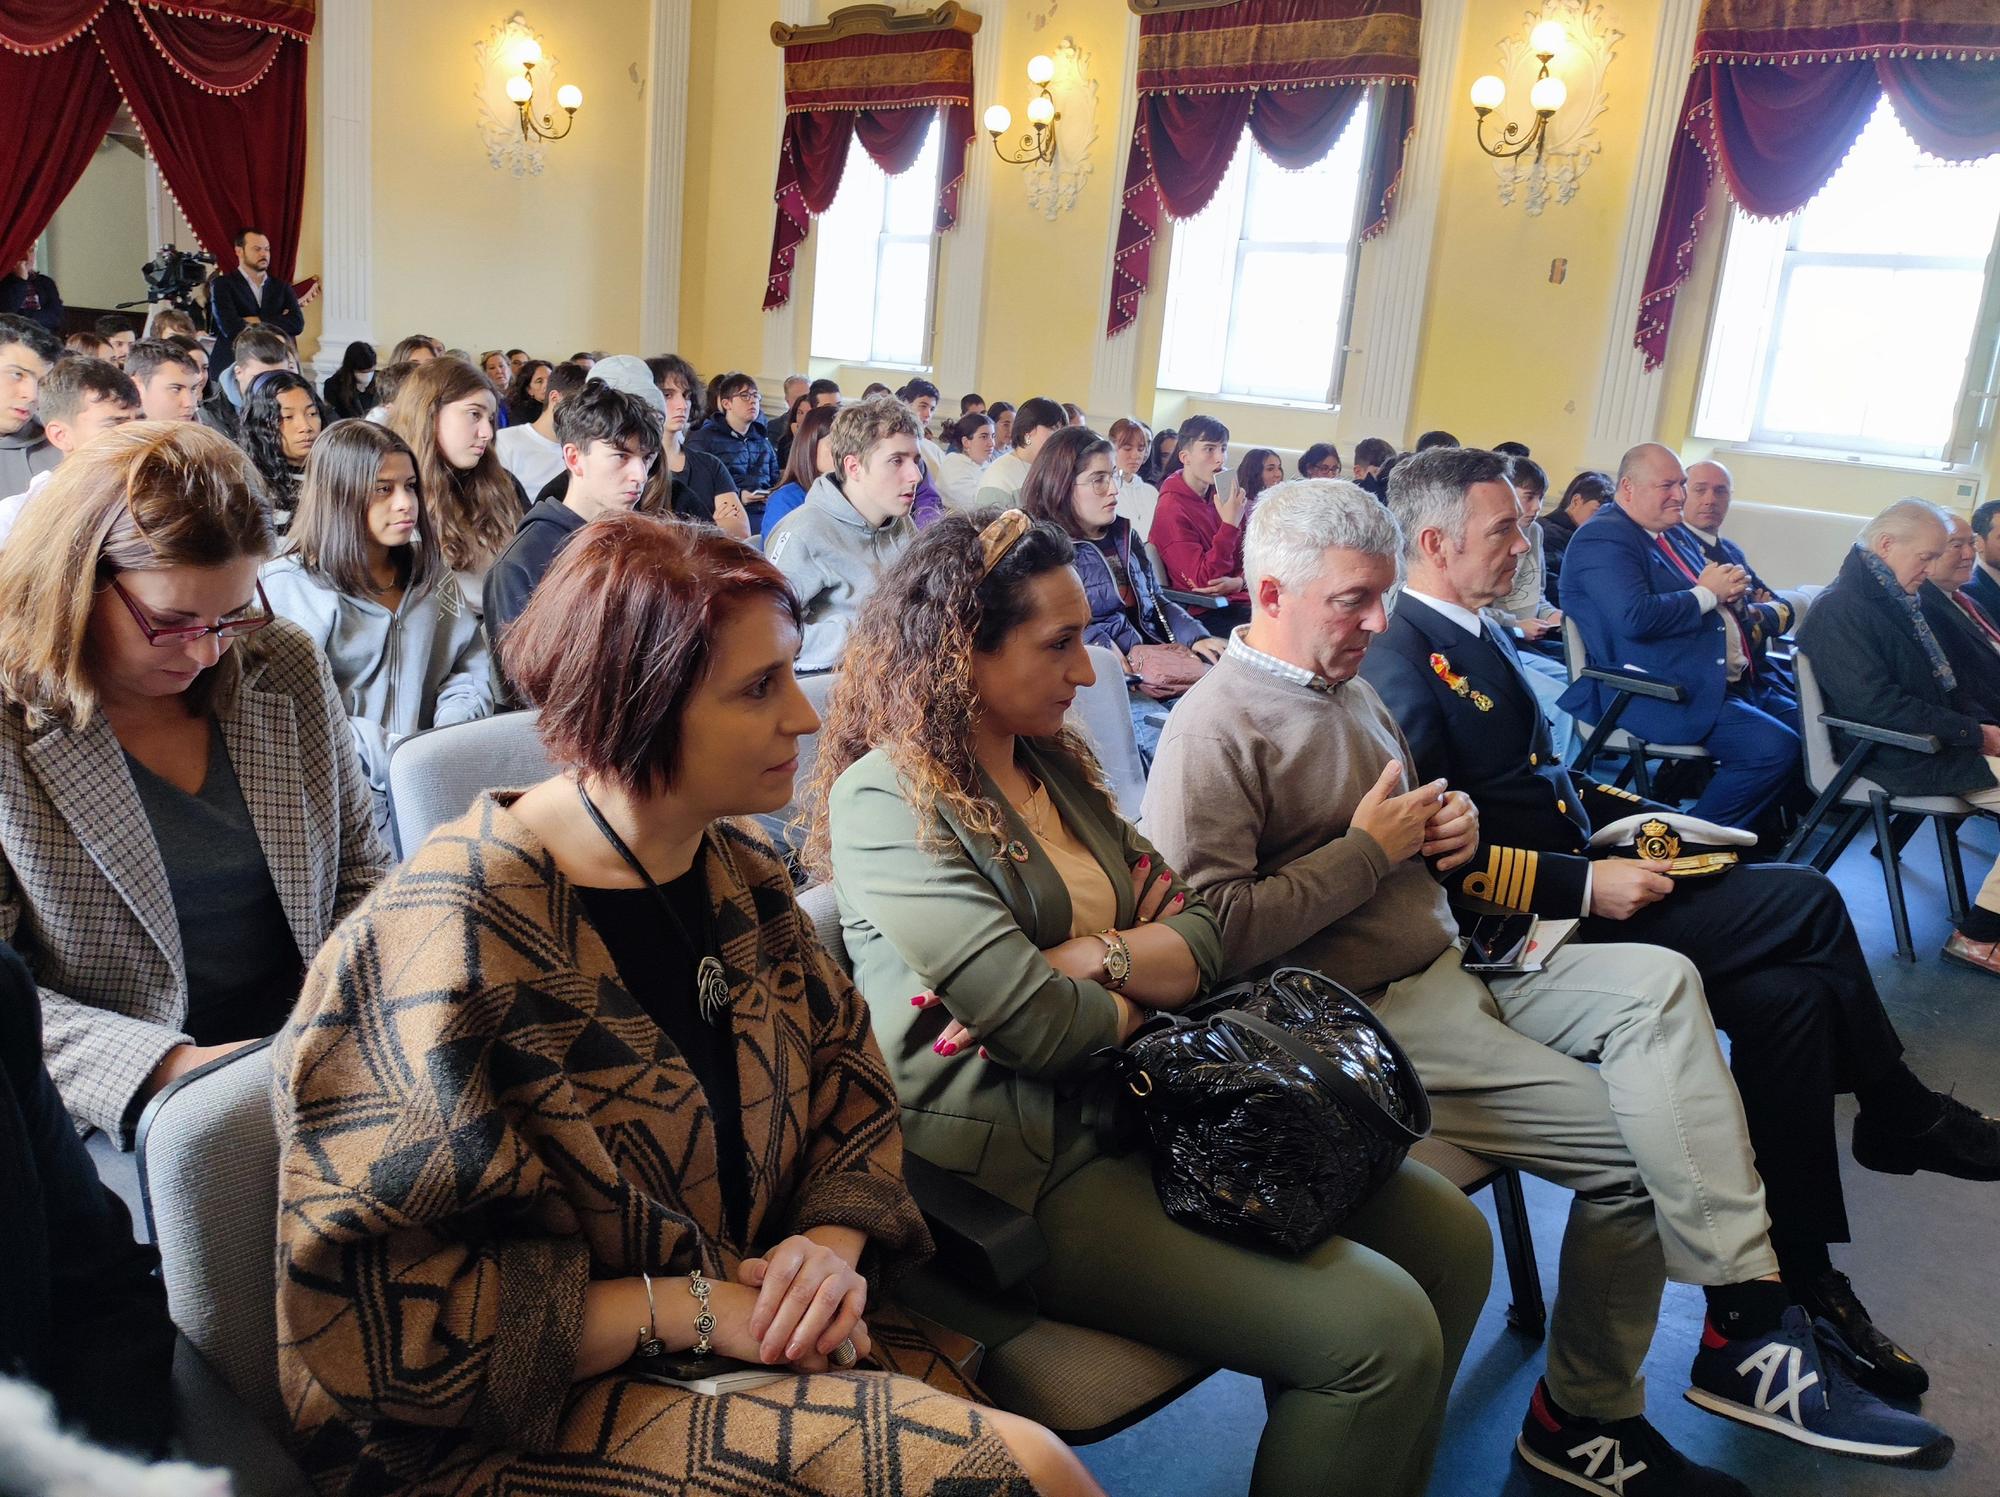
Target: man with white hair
(1970, 635)
(1648, 601)
(1278, 793)
(1878, 661)
(1783, 969)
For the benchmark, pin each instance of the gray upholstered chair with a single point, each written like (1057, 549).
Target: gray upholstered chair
(1102, 712)
(435, 775)
(208, 1176)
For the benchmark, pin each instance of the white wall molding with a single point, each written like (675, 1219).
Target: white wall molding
(1628, 397)
(346, 43)
(1114, 367)
(670, 27)
(960, 320)
(781, 328)
(1388, 316)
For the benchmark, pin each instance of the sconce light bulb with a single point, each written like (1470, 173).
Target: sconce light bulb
(531, 52)
(1041, 110)
(1488, 92)
(998, 119)
(1040, 70)
(520, 90)
(570, 97)
(1547, 39)
(1547, 95)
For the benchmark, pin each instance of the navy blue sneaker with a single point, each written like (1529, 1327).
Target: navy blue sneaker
(1781, 1383)
(1622, 1457)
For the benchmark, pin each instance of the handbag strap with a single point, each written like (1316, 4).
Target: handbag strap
(1332, 1080)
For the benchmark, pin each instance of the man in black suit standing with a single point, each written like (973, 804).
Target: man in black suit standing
(250, 296)
(1784, 972)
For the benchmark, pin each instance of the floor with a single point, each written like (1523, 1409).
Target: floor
(1923, 1262)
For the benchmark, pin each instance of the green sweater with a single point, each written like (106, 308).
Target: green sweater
(1251, 795)
(972, 927)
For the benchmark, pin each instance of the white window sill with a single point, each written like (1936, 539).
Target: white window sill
(1226, 398)
(1890, 462)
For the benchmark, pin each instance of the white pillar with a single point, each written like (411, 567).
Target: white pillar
(781, 326)
(962, 283)
(346, 42)
(666, 174)
(1388, 316)
(1114, 366)
(1628, 397)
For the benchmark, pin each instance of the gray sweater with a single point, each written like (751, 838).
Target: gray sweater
(423, 666)
(23, 454)
(1250, 800)
(831, 557)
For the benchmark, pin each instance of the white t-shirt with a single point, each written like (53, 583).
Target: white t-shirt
(10, 508)
(1002, 479)
(1137, 499)
(529, 456)
(958, 478)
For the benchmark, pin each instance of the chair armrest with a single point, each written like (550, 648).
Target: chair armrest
(1638, 683)
(1920, 743)
(1191, 600)
(981, 1239)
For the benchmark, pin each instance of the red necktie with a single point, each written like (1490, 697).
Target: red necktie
(1749, 662)
(1978, 616)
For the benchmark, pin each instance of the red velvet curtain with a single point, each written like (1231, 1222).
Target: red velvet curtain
(883, 91)
(1776, 109)
(1294, 72)
(217, 88)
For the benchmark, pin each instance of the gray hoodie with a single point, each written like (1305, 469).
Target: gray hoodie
(23, 454)
(423, 666)
(831, 557)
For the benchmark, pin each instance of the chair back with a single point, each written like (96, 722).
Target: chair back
(208, 1177)
(1158, 564)
(1573, 656)
(1822, 763)
(822, 910)
(436, 775)
(1102, 712)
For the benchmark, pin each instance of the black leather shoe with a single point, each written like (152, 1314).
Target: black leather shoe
(1962, 1143)
(1880, 1365)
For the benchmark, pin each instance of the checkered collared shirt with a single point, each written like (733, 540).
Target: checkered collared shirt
(1284, 670)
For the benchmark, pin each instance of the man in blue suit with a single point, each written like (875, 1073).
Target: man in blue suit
(1985, 583)
(1764, 615)
(1646, 598)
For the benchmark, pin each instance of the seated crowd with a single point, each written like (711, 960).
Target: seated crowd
(574, 1084)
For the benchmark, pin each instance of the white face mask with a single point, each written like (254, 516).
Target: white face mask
(365, 380)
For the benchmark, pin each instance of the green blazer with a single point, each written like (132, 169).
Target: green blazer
(972, 927)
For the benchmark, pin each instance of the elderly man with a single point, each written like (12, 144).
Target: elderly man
(1879, 662)
(1778, 956)
(1647, 599)
(1969, 634)
(1279, 793)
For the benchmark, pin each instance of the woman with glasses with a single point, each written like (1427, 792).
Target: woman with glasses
(183, 820)
(1074, 485)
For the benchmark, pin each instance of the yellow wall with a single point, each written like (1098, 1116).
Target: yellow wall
(97, 241)
(477, 256)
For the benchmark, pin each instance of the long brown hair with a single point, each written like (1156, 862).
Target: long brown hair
(905, 683)
(1049, 490)
(329, 534)
(475, 512)
(142, 497)
(802, 466)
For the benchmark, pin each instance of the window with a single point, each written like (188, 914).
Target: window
(874, 258)
(1261, 282)
(1850, 325)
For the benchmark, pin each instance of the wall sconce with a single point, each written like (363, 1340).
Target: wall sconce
(1546, 97)
(1040, 146)
(521, 90)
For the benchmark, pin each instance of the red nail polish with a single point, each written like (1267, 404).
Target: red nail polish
(947, 1050)
(918, 1001)
(1180, 899)
(1145, 862)
(982, 1053)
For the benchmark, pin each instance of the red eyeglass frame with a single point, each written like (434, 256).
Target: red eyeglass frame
(185, 634)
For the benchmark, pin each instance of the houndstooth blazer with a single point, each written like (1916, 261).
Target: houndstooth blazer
(84, 894)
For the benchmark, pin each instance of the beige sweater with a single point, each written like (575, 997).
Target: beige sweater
(1250, 798)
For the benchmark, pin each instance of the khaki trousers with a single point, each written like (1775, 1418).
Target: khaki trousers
(1988, 897)
(1601, 1074)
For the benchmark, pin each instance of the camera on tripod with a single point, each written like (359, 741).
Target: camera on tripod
(175, 275)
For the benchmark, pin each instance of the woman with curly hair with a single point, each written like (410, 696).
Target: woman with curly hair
(445, 410)
(528, 393)
(1005, 924)
(282, 418)
(1259, 470)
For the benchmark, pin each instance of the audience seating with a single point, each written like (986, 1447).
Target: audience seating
(1103, 713)
(1167, 589)
(208, 1173)
(433, 776)
(1600, 737)
(1840, 783)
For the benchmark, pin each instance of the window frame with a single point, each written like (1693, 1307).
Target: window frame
(884, 236)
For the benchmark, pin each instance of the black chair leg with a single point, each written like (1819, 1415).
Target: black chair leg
(1954, 870)
(1527, 1314)
(1642, 779)
(1849, 828)
(1892, 875)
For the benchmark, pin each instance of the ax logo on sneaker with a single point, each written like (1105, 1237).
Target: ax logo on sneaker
(1769, 1360)
(1594, 1453)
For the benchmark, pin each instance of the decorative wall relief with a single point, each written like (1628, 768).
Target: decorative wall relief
(499, 58)
(1573, 143)
(1053, 186)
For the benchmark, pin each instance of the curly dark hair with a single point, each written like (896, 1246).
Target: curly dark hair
(905, 683)
(263, 437)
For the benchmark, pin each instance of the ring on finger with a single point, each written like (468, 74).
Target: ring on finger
(844, 1355)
